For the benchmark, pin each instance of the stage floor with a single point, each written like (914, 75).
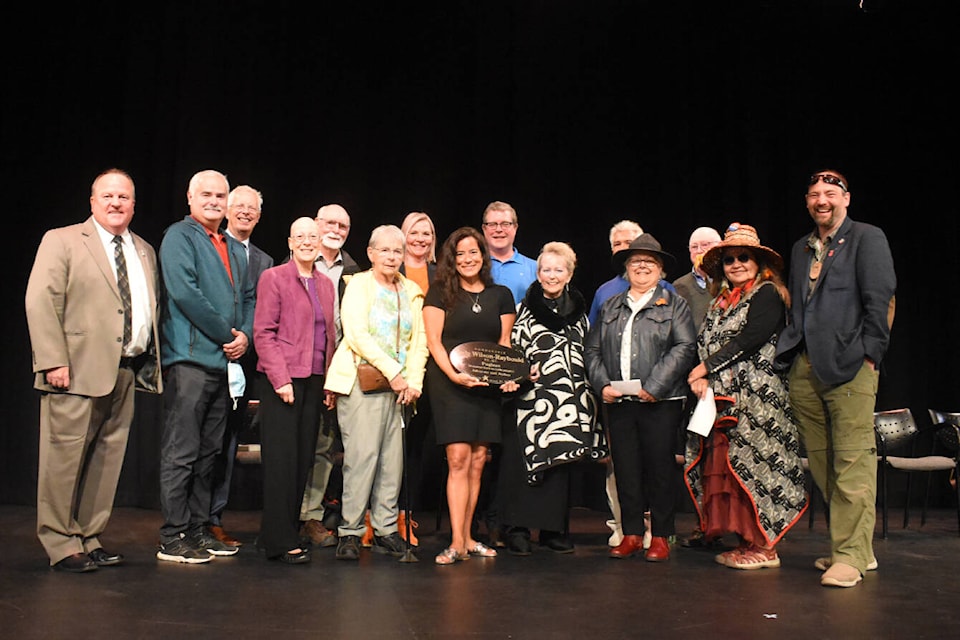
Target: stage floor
(585, 595)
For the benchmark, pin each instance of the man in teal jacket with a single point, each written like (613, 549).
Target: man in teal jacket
(207, 322)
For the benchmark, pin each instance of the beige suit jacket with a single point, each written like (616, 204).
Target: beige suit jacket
(74, 312)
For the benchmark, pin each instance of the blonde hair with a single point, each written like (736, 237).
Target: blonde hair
(413, 218)
(561, 249)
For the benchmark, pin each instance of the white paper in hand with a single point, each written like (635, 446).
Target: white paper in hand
(704, 415)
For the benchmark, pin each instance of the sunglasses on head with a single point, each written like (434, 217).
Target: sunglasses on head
(743, 258)
(828, 179)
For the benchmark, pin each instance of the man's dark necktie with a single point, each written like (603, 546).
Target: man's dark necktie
(123, 283)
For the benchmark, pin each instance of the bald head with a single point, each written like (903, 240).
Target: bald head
(701, 240)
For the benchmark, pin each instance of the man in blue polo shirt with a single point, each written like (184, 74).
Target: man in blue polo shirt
(509, 267)
(515, 271)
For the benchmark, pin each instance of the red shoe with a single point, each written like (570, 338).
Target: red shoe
(659, 550)
(630, 545)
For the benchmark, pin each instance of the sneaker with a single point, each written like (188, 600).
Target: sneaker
(348, 548)
(206, 542)
(391, 544)
(824, 563)
(182, 550)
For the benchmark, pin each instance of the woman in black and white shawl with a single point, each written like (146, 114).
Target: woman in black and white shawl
(556, 416)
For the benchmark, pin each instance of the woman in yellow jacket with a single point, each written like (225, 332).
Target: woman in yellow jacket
(382, 321)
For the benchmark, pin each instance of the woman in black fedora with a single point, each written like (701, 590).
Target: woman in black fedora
(638, 355)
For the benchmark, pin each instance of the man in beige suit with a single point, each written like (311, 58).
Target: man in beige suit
(92, 314)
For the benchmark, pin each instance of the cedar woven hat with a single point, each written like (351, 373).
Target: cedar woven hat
(644, 242)
(740, 235)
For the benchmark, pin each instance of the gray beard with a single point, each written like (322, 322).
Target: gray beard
(330, 243)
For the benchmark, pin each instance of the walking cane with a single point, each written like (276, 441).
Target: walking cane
(408, 555)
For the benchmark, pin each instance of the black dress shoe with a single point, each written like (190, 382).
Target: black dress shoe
(556, 542)
(77, 563)
(301, 557)
(104, 558)
(518, 543)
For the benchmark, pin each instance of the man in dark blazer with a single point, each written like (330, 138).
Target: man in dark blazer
(91, 306)
(842, 285)
(244, 205)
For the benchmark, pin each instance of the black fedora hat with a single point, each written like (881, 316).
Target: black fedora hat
(646, 243)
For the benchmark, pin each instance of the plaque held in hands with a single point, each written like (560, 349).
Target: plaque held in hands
(490, 362)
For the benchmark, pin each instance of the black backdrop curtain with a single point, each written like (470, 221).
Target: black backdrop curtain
(579, 114)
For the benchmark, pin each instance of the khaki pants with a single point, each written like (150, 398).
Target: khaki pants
(82, 444)
(372, 461)
(836, 425)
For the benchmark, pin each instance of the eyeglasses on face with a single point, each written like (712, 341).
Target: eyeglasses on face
(333, 224)
(828, 178)
(642, 262)
(499, 225)
(742, 258)
(386, 252)
(300, 238)
(703, 246)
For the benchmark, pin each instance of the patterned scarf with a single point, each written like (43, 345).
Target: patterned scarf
(728, 298)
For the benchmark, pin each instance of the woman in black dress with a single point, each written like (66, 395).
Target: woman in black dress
(464, 305)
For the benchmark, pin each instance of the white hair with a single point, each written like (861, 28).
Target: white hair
(625, 225)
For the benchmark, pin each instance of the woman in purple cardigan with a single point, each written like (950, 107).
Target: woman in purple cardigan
(293, 331)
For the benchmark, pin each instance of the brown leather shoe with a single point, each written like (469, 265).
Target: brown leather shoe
(318, 534)
(224, 537)
(659, 550)
(631, 544)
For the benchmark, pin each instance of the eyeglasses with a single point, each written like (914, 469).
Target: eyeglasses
(743, 258)
(642, 262)
(827, 179)
(242, 208)
(499, 225)
(702, 246)
(386, 252)
(301, 238)
(334, 224)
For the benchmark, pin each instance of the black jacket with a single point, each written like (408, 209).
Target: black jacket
(664, 344)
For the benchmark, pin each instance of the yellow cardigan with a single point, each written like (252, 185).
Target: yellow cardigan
(358, 343)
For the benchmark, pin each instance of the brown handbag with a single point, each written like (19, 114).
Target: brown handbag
(370, 379)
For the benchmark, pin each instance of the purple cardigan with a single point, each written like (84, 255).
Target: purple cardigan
(283, 323)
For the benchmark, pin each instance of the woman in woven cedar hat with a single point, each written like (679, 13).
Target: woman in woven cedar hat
(746, 478)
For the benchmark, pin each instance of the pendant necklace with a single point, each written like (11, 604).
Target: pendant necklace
(476, 308)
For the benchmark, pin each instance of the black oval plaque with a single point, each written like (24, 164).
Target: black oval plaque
(490, 362)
